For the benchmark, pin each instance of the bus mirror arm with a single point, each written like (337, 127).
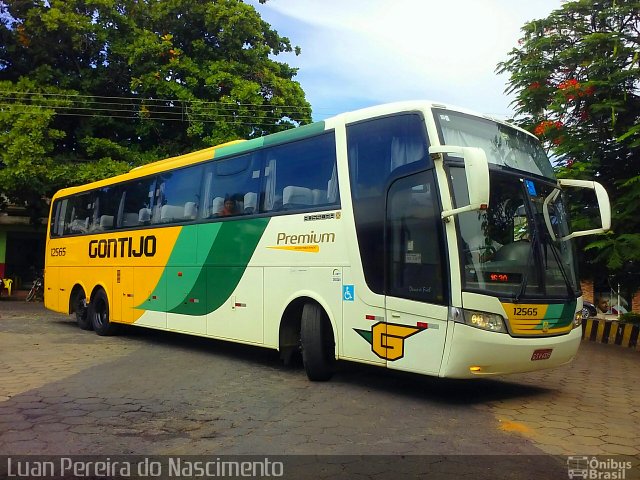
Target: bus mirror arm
(476, 169)
(603, 205)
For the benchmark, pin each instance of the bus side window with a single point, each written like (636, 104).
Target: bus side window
(136, 203)
(78, 214)
(106, 205)
(231, 186)
(177, 197)
(301, 175)
(380, 150)
(60, 216)
(55, 215)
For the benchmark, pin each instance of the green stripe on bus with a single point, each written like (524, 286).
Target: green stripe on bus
(558, 315)
(225, 250)
(224, 266)
(199, 238)
(229, 257)
(238, 148)
(295, 133)
(273, 139)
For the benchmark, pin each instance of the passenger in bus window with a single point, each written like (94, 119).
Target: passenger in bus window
(229, 207)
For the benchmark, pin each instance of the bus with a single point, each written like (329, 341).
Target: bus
(414, 236)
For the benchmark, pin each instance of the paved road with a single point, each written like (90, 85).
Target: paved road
(66, 391)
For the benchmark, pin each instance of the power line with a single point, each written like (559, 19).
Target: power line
(143, 112)
(142, 100)
(152, 109)
(264, 121)
(241, 119)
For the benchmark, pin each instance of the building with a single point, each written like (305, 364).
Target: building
(22, 247)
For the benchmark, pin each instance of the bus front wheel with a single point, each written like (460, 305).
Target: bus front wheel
(99, 314)
(318, 347)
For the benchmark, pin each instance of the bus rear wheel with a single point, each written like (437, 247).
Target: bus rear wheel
(82, 312)
(99, 315)
(318, 347)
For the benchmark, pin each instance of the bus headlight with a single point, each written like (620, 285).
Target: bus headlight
(486, 321)
(577, 319)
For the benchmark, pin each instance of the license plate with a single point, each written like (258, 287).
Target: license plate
(542, 354)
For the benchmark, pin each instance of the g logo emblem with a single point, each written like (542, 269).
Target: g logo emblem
(387, 339)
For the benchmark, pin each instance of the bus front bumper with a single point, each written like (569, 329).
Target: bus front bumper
(476, 353)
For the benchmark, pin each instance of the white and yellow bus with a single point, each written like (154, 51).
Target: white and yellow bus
(414, 236)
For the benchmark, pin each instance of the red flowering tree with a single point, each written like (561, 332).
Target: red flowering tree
(576, 79)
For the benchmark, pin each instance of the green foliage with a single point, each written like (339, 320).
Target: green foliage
(92, 88)
(576, 78)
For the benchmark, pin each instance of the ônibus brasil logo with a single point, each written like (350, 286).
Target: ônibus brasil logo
(387, 339)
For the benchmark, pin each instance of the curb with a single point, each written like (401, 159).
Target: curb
(611, 332)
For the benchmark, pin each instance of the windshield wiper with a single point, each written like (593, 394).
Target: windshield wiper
(525, 275)
(565, 276)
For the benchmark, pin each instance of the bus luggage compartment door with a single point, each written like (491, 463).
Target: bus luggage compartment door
(122, 301)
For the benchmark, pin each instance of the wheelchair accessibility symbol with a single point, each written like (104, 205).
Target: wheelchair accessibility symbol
(348, 293)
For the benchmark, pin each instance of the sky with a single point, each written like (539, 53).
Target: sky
(358, 53)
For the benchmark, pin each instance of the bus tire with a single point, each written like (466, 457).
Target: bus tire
(318, 347)
(82, 311)
(99, 315)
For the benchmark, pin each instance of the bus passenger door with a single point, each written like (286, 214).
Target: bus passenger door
(416, 313)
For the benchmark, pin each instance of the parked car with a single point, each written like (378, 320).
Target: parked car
(588, 310)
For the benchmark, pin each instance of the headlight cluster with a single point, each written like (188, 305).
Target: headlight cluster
(577, 320)
(485, 321)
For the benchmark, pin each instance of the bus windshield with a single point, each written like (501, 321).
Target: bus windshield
(506, 250)
(503, 145)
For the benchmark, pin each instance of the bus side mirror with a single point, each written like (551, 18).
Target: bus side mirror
(476, 168)
(603, 206)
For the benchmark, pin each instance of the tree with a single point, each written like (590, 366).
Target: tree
(91, 88)
(576, 78)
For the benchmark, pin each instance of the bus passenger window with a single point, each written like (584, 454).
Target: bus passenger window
(78, 214)
(136, 204)
(380, 150)
(230, 186)
(106, 205)
(177, 196)
(301, 175)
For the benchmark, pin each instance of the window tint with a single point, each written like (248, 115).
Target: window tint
(380, 150)
(78, 214)
(57, 219)
(137, 202)
(301, 175)
(105, 208)
(231, 186)
(415, 240)
(177, 195)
